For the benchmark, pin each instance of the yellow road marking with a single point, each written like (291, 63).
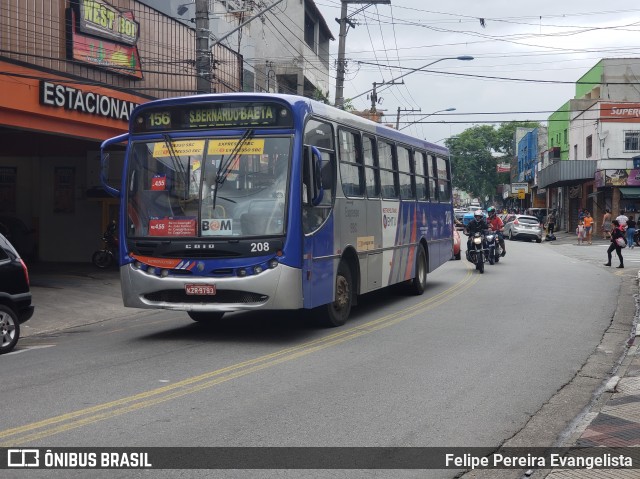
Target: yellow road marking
(65, 422)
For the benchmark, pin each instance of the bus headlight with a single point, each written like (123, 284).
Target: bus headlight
(242, 272)
(273, 263)
(258, 269)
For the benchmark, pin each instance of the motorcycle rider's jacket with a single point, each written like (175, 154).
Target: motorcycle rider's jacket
(495, 223)
(475, 226)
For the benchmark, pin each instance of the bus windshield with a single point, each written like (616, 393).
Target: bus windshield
(211, 187)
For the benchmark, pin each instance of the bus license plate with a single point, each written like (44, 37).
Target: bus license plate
(200, 289)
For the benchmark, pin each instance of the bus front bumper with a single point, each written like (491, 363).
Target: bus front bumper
(278, 288)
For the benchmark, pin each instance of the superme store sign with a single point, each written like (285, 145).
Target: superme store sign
(73, 99)
(621, 112)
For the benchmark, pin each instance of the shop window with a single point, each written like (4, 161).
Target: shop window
(632, 141)
(589, 146)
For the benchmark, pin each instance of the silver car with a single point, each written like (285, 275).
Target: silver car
(523, 227)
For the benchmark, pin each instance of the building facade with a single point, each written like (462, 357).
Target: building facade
(285, 50)
(593, 140)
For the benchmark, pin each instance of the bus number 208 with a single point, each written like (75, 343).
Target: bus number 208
(259, 247)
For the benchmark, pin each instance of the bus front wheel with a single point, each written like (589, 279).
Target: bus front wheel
(336, 313)
(419, 282)
(205, 316)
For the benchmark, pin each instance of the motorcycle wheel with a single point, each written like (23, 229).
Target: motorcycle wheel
(102, 258)
(636, 239)
(491, 258)
(480, 263)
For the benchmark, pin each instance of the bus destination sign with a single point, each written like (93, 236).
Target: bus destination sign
(212, 116)
(216, 116)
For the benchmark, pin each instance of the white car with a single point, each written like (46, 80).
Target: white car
(523, 227)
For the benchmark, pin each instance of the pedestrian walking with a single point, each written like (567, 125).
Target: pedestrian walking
(631, 229)
(588, 226)
(617, 243)
(606, 224)
(551, 223)
(622, 220)
(580, 232)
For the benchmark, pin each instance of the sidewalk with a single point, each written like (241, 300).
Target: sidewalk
(614, 420)
(68, 295)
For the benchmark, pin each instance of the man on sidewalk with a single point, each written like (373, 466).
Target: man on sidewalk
(551, 224)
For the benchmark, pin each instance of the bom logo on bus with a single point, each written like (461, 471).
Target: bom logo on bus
(217, 227)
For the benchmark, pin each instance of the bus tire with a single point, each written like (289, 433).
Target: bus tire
(336, 313)
(419, 282)
(205, 316)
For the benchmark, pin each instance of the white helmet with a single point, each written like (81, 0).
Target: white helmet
(478, 215)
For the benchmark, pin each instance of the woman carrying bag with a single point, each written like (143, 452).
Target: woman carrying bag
(618, 242)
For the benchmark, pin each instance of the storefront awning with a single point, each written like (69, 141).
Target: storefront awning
(630, 193)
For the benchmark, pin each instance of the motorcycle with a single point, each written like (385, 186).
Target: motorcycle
(636, 237)
(476, 252)
(493, 244)
(105, 257)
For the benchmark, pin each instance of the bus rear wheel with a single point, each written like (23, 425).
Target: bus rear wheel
(336, 313)
(419, 282)
(205, 316)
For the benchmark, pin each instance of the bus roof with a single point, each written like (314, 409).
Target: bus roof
(303, 105)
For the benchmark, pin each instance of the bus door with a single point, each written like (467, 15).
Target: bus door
(319, 264)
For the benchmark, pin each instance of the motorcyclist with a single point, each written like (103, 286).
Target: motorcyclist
(496, 224)
(477, 224)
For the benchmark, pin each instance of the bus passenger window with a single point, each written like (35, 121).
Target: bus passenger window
(350, 164)
(444, 183)
(372, 183)
(387, 175)
(404, 174)
(421, 180)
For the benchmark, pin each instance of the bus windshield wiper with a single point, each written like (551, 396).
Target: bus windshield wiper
(225, 163)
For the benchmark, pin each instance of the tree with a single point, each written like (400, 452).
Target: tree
(472, 164)
(476, 152)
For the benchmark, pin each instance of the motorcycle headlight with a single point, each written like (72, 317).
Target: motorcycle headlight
(477, 240)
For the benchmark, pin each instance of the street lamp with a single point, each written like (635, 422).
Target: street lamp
(462, 57)
(426, 116)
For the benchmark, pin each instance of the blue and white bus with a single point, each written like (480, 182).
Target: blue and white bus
(248, 201)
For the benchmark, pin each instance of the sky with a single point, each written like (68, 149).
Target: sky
(527, 57)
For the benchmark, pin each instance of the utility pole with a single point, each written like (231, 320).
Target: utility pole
(398, 118)
(374, 93)
(342, 37)
(203, 50)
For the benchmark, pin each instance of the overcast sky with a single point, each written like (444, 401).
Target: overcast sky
(533, 42)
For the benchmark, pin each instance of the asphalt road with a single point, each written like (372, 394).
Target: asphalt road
(473, 362)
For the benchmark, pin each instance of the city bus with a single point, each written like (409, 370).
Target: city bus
(248, 201)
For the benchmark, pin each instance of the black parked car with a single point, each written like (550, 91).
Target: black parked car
(22, 237)
(15, 295)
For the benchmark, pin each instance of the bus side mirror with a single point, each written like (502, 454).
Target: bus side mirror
(315, 180)
(104, 163)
